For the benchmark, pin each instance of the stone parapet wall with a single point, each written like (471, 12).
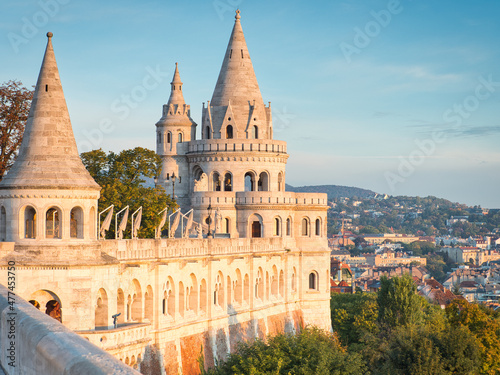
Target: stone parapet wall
(38, 344)
(235, 145)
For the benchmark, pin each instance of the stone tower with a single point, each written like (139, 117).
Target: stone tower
(48, 197)
(172, 131)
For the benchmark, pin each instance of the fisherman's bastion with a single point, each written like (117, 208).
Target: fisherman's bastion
(242, 258)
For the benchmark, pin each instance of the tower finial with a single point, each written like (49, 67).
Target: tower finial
(49, 35)
(237, 14)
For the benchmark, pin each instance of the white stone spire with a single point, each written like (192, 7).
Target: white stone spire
(176, 96)
(48, 157)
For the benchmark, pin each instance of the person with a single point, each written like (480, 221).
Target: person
(53, 309)
(35, 303)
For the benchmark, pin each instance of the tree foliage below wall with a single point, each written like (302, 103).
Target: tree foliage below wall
(122, 179)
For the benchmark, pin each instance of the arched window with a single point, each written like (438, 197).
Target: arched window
(216, 185)
(263, 184)
(158, 137)
(3, 224)
(207, 132)
(136, 302)
(170, 290)
(288, 227)
(193, 294)
(318, 227)
(53, 223)
(255, 132)
(305, 227)
(277, 226)
(76, 223)
(255, 222)
(169, 137)
(313, 281)
(101, 310)
(280, 182)
(249, 181)
(29, 222)
(228, 182)
(229, 132)
(180, 137)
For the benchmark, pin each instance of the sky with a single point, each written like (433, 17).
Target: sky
(400, 97)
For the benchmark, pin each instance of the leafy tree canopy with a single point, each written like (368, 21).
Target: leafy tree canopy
(122, 179)
(15, 103)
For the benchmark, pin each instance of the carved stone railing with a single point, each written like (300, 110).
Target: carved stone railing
(236, 145)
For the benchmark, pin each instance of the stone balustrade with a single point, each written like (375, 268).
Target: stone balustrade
(201, 198)
(35, 343)
(235, 145)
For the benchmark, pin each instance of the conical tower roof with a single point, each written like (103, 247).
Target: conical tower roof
(237, 82)
(48, 157)
(176, 96)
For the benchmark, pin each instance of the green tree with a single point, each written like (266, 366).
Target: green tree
(15, 102)
(398, 301)
(353, 315)
(311, 352)
(122, 179)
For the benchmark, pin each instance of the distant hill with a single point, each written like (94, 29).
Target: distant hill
(333, 191)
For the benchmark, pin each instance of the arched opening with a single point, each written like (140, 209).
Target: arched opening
(288, 227)
(229, 132)
(313, 281)
(29, 222)
(305, 227)
(259, 285)
(220, 289)
(255, 132)
(246, 288)
(76, 223)
(216, 185)
(120, 306)
(249, 181)
(49, 303)
(280, 182)
(3, 224)
(179, 139)
(277, 226)
(255, 222)
(203, 296)
(317, 227)
(148, 303)
(136, 306)
(193, 294)
(207, 132)
(92, 224)
(263, 184)
(158, 137)
(169, 137)
(101, 310)
(228, 182)
(53, 223)
(181, 299)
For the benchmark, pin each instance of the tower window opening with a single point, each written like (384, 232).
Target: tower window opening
(230, 53)
(168, 176)
(241, 53)
(29, 222)
(313, 281)
(46, 88)
(229, 132)
(52, 223)
(228, 184)
(169, 138)
(255, 132)
(207, 132)
(180, 137)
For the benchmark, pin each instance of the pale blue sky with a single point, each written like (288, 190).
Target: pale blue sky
(353, 108)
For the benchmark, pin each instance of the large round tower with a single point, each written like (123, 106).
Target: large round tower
(48, 197)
